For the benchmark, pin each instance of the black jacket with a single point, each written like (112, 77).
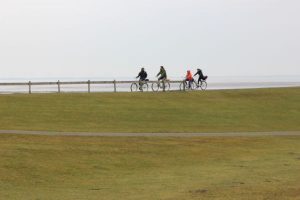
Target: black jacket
(199, 73)
(143, 75)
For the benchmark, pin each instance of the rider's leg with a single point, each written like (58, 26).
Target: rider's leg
(187, 82)
(163, 79)
(190, 84)
(140, 84)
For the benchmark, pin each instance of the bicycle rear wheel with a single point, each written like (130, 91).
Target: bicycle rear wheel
(145, 87)
(203, 85)
(193, 85)
(134, 87)
(182, 86)
(166, 85)
(155, 86)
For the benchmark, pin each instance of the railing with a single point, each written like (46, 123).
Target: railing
(88, 83)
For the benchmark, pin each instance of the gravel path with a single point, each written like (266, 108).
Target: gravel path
(90, 134)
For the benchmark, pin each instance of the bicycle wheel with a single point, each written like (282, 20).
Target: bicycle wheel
(134, 87)
(155, 86)
(193, 85)
(203, 85)
(145, 87)
(182, 86)
(167, 86)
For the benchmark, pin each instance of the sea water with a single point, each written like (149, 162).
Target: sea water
(214, 82)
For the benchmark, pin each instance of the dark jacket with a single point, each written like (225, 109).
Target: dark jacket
(199, 73)
(143, 75)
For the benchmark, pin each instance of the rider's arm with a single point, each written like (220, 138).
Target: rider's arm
(138, 75)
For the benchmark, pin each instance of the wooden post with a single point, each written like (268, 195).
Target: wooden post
(29, 84)
(115, 86)
(58, 86)
(89, 86)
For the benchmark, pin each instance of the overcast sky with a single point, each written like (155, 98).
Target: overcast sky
(113, 38)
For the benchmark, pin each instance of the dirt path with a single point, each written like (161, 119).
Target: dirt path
(90, 134)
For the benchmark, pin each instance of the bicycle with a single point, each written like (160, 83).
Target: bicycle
(194, 85)
(184, 85)
(163, 84)
(139, 85)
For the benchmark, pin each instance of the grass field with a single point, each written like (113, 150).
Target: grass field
(149, 168)
(210, 111)
(70, 168)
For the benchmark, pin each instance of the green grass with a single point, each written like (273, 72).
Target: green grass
(210, 111)
(69, 168)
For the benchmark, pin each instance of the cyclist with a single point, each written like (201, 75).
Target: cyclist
(189, 78)
(201, 76)
(143, 77)
(162, 74)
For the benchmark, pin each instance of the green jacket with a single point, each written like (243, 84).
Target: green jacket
(162, 72)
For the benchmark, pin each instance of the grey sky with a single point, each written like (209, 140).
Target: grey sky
(113, 38)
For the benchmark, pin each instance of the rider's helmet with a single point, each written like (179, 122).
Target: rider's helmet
(143, 69)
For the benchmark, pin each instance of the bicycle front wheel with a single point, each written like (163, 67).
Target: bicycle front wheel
(134, 87)
(155, 86)
(203, 85)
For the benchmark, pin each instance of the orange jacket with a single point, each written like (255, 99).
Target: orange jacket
(189, 75)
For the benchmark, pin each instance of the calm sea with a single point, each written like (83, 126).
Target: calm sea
(214, 82)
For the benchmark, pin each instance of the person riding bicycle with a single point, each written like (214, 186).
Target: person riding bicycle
(189, 78)
(143, 77)
(201, 76)
(162, 73)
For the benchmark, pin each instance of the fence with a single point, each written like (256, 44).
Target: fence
(88, 83)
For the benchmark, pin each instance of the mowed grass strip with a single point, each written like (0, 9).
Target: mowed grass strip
(68, 168)
(275, 109)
